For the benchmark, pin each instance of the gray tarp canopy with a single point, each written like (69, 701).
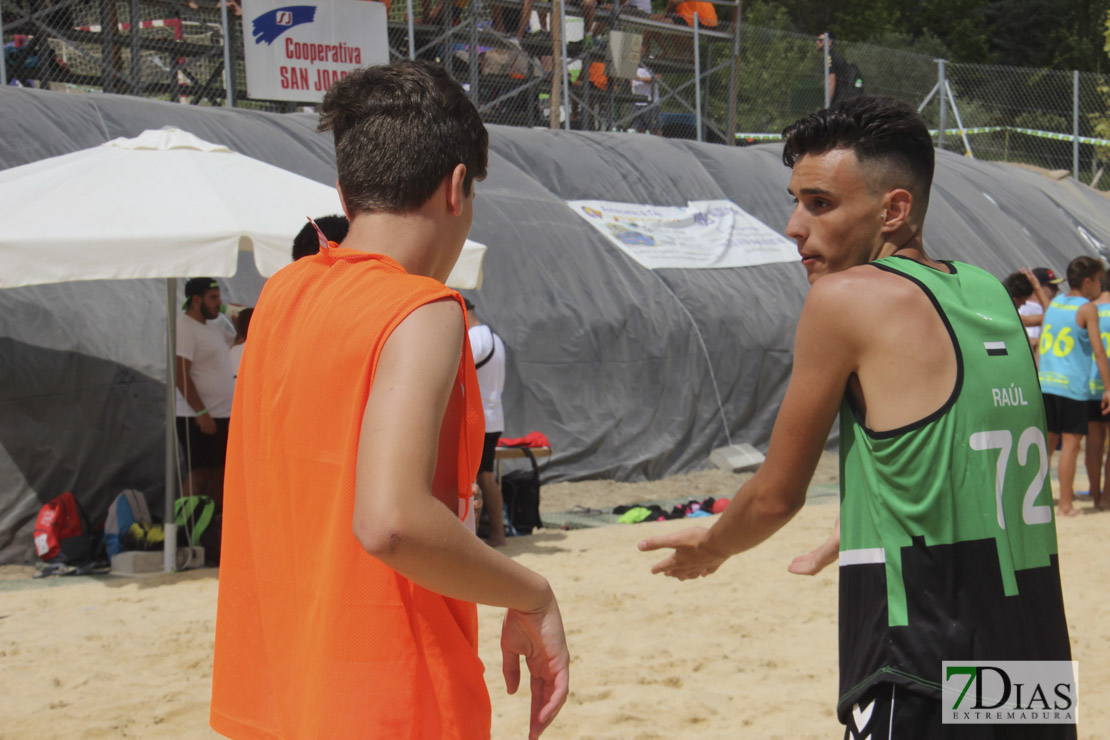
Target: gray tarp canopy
(631, 373)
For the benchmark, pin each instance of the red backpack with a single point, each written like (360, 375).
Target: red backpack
(62, 532)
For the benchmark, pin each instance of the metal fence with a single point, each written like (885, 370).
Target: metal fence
(625, 69)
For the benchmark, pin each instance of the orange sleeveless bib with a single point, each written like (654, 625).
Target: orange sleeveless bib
(314, 637)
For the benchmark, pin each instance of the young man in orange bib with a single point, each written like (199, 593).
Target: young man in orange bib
(349, 574)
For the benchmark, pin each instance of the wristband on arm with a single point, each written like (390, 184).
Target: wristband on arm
(202, 412)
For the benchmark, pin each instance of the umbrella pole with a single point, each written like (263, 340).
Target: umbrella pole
(169, 552)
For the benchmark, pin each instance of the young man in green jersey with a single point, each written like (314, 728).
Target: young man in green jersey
(948, 547)
(1067, 353)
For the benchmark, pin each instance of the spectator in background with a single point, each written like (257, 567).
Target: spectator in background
(844, 79)
(242, 324)
(635, 7)
(1067, 353)
(1018, 287)
(681, 12)
(205, 385)
(1098, 423)
(433, 10)
(307, 242)
(489, 359)
(647, 112)
(1032, 311)
(684, 11)
(512, 21)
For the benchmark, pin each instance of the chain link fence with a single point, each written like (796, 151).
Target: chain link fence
(174, 52)
(629, 67)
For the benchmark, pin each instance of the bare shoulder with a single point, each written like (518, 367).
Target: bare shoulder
(860, 291)
(441, 315)
(866, 311)
(431, 330)
(1087, 315)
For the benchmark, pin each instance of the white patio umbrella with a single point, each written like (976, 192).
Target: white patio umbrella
(164, 204)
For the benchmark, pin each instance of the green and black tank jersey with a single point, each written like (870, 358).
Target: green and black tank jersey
(948, 542)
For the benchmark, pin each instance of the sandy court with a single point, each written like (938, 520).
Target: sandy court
(749, 652)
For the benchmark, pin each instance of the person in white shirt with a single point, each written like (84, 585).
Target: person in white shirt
(489, 359)
(1032, 311)
(205, 384)
(647, 112)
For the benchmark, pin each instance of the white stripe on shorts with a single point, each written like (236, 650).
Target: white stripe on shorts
(862, 557)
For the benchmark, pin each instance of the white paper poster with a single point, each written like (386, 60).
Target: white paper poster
(701, 234)
(296, 52)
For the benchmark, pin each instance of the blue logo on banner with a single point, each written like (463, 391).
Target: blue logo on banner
(268, 26)
(635, 238)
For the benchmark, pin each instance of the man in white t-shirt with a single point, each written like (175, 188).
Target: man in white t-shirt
(205, 385)
(647, 112)
(489, 358)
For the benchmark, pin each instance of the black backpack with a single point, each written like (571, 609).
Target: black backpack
(521, 492)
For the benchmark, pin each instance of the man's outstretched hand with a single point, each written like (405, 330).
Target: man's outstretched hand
(690, 558)
(537, 637)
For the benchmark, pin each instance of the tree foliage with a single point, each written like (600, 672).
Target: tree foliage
(1061, 34)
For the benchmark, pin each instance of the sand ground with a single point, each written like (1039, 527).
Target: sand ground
(747, 653)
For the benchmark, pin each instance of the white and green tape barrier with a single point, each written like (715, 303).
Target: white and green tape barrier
(962, 131)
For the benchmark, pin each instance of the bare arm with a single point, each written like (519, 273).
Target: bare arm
(525, 16)
(189, 391)
(824, 359)
(1038, 290)
(398, 519)
(1087, 318)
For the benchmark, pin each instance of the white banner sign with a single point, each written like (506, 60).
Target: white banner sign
(704, 233)
(295, 52)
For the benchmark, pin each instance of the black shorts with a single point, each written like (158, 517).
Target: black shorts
(647, 118)
(488, 450)
(887, 711)
(1065, 415)
(204, 450)
(1094, 412)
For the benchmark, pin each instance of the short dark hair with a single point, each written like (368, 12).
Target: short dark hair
(878, 131)
(399, 130)
(1018, 286)
(1081, 268)
(307, 242)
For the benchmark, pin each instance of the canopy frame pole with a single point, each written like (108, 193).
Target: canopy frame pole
(169, 546)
